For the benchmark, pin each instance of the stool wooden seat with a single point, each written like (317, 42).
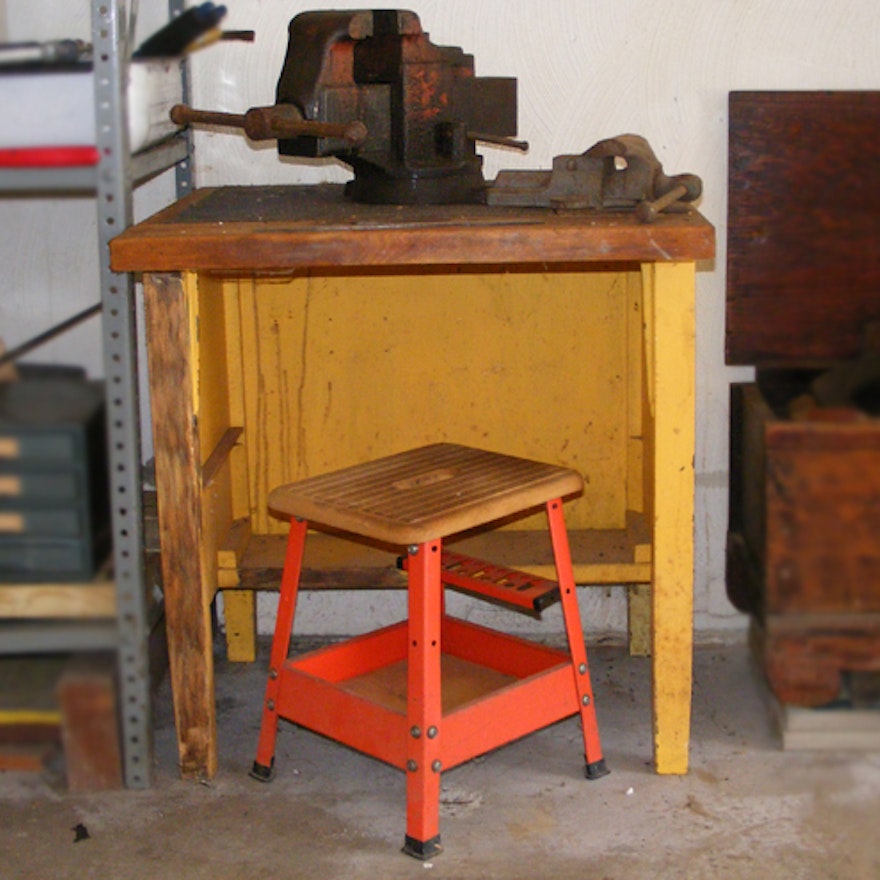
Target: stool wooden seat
(433, 691)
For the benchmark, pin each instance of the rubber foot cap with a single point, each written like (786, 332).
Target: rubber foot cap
(597, 769)
(262, 773)
(422, 849)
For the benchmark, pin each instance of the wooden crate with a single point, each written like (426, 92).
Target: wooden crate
(803, 296)
(803, 551)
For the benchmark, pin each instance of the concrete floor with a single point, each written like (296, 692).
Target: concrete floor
(745, 810)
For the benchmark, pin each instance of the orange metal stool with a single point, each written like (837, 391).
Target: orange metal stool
(354, 692)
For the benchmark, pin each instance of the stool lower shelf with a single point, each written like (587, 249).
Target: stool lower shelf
(496, 688)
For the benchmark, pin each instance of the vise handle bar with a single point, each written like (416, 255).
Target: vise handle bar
(647, 211)
(278, 122)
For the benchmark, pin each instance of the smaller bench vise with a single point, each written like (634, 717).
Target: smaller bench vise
(369, 88)
(614, 174)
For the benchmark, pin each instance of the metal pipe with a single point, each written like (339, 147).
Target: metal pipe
(499, 140)
(270, 123)
(57, 330)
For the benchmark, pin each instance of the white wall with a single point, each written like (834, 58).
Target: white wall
(587, 69)
(48, 247)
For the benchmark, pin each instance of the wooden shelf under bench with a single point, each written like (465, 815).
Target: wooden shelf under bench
(601, 557)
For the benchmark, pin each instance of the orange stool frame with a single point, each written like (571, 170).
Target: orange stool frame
(414, 500)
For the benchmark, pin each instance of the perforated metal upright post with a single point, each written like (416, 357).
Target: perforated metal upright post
(183, 170)
(115, 213)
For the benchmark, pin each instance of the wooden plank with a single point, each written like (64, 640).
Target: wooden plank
(638, 619)
(171, 330)
(670, 290)
(96, 599)
(268, 228)
(332, 562)
(824, 436)
(240, 619)
(232, 549)
(220, 455)
(636, 416)
(234, 398)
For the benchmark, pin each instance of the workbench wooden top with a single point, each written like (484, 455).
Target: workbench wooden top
(258, 228)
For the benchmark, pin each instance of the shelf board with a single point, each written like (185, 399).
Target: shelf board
(79, 179)
(90, 600)
(158, 158)
(83, 179)
(600, 556)
(40, 636)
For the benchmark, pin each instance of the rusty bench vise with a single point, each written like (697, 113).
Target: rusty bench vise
(369, 88)
(614, 174)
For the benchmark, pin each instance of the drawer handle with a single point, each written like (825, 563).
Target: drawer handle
(10, 447)
(11, 523)
(10, 485)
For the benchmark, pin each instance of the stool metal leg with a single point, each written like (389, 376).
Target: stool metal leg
(424, 705)
(263, 765)
(595, 762)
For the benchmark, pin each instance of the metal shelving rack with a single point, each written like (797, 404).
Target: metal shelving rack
(112, 181)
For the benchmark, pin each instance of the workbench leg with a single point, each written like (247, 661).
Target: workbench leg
(424, 705)
(172, 349)
(240, 617)
(670, 368)
(638, 619)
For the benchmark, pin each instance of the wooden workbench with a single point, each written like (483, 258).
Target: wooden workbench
(290, 332)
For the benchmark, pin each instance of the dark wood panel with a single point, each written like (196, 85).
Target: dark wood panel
(803, 257)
